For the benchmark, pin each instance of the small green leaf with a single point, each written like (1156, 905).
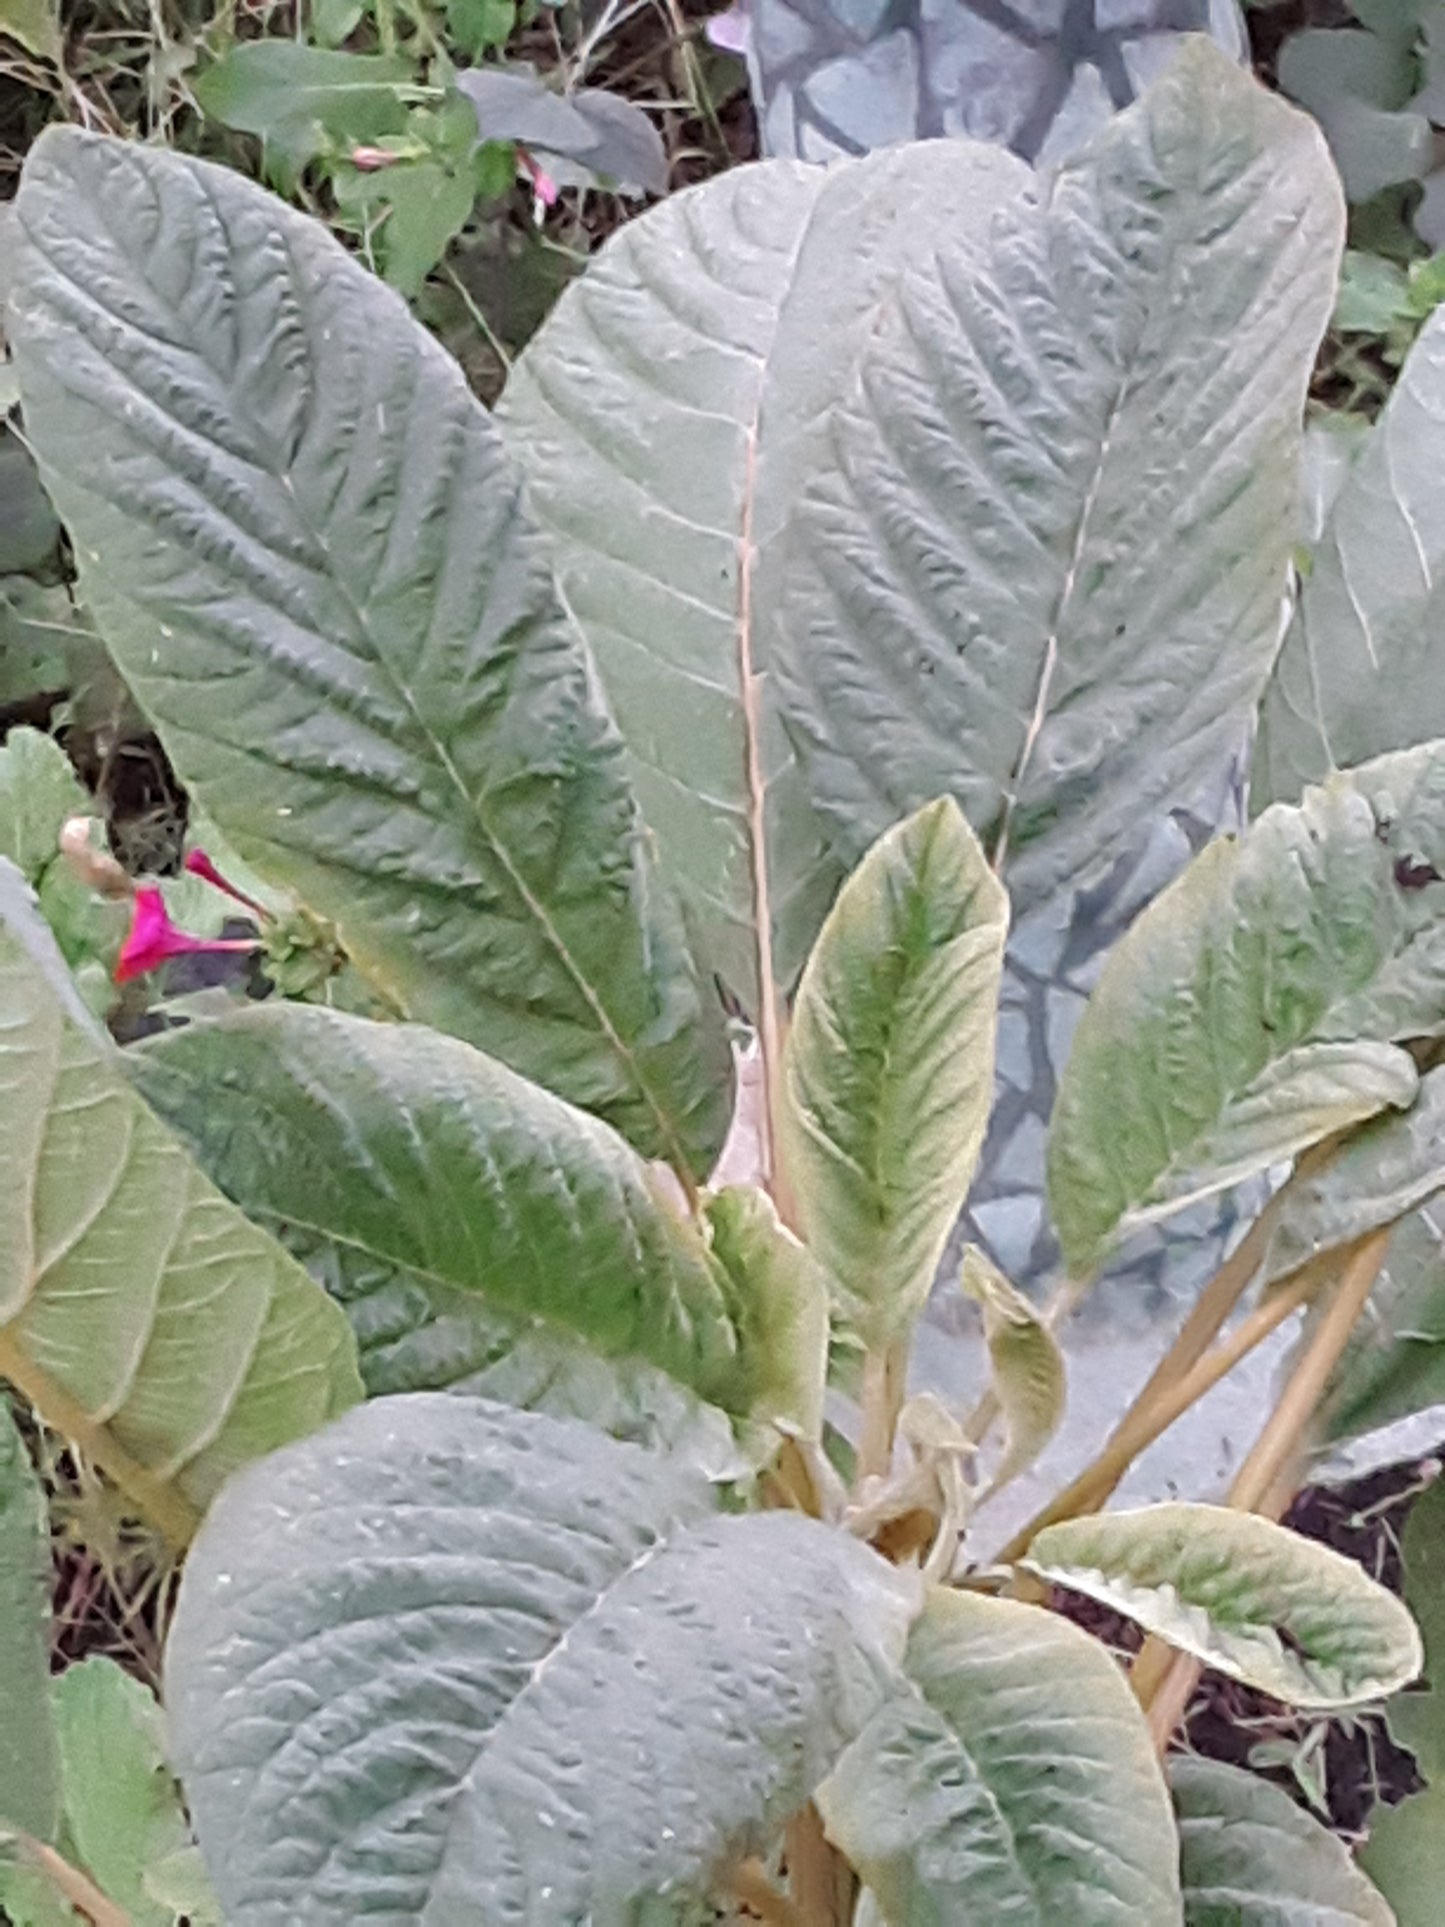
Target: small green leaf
(122, 1806)
(526, 1673)
(1026, 1364)
(888, 1071)
(476, 26)
(1014, 1782)
(35, 24)
(1246, 1596)
(1250, 1857)
(140, 1311)
(464, 1215)
(1384, 1170)
(29, 1758)
(1257, 1005)
(296, 97)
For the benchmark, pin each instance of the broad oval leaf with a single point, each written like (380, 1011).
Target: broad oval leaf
(29, 1751)
(140, 1312)
(1251, 1857)
(1384, 1170)
(306, 548)
(888, 1069)
(447, 1659)
(1358, 672)
(1246, 1596)
(1015, 1782)
(1044, 573)
(667, 414)
(1257, 1004)
(463, 1214)
(1026, 1366)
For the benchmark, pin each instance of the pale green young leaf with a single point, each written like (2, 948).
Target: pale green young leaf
(888, 1069)
(782, 1303)
(29, 1754)
(1384, 1170)
(1357, 674)
(1251, 1857)
(496, 1641)
(1015, 1781)
(1043, 572)
(1248, 1597)
(1258, 1004)
(1025, 1362)
(475, 1226)
(668, 413)
(122, 1807)
(139, 1309)
(306, 547)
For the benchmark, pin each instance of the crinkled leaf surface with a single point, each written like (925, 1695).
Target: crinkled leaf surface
(1358, 673)
(455, 1662)
(139, 1310)
(306, 548)
(1015, 1782)
(1026, 1365)
(1044, 570)
(29, 1755)
(1251, 1857)
(1384, 1170)
(667, 414)
(1256, 1005)
(888, 1069)
(463, 1215)
(1248, 1597)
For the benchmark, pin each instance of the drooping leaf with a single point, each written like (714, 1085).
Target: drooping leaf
(667, 415)
(830, 78)
(304, 544)
(1026, 1365)
(1382, 1172)
(1014, 1783)
(1357, 673)
(122, 1807)
(140, 1312)
(444, 1659)
(29, 1755)
(1394, 1365)
(462, 1214)
(1250, 1857)
(1246, 1596)
(1044, 571)
(888, 1070)
(1257, 1004)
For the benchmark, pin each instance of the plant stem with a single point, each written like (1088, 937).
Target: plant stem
(820, 1881)
(76, 1887)
(161, 1503)
(1164, 1679)
(1094, 1484)
(753, 1887)
(885, 1377)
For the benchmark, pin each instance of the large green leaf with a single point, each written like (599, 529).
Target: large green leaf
(1246, 1596)
(29, 1754)
(1358, 672)
(1394, 1366)
(1383, 1171)
(888, 1071)
(1405, 1857)
(305, 546)
(463, 1214)
(1257, 1004)
(667, 415)
(297, 97)
(1016, 1782)
(1250, 1857)
(454, 1662)
(1045, 571)
(142, 1314)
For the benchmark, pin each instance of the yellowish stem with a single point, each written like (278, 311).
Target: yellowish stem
(69, 1881)
(757, 1892)
(885, 1379)
(820, 1881)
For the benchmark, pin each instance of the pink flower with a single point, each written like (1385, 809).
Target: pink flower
(152, 937)
(543, 186)
(370, 160)
(200, 865)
